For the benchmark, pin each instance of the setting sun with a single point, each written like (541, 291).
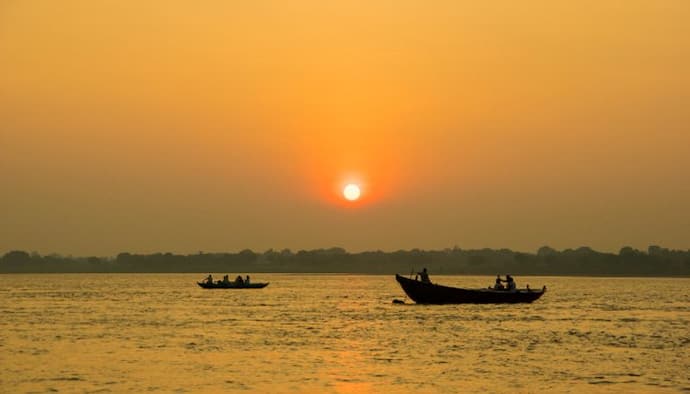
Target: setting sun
(351, 192)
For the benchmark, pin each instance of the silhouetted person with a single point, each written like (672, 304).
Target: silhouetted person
(246, 281)
(239, 280)
(498, 285)
(510, 283)
(424, 276)
(226, 279)
(209, 279)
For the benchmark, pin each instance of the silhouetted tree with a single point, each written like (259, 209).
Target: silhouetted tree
(546, 251)
(16, 257)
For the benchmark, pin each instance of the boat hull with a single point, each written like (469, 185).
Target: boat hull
(429, 293)
(231, 285)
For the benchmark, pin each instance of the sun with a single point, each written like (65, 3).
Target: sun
(351, 192)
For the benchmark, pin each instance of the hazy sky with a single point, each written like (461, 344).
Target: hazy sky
(148, 126)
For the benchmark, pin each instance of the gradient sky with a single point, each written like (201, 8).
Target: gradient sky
(148, 126)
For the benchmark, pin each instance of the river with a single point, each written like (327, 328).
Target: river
(340, 334)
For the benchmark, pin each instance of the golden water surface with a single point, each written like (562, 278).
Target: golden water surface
(340, 334)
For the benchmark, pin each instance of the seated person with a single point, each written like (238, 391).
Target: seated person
(239, 280)
(209, 279)
(510, 283)
(498, 285)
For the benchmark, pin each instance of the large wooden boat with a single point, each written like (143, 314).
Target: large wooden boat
(231, 285)
(431, 293)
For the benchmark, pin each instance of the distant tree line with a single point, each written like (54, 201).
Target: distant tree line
(655, 261)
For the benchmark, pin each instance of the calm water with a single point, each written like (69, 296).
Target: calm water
(336, 333)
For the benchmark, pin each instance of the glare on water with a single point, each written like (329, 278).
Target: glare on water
(338, 333)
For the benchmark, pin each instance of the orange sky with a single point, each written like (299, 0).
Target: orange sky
(217, 126)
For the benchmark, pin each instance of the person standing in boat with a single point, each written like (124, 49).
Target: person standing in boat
(424, 276)
(246, 281)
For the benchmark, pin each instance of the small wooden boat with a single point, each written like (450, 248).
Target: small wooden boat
(231, 285)
(431, 293)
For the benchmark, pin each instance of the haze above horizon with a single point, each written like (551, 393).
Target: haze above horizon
(166, 126)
